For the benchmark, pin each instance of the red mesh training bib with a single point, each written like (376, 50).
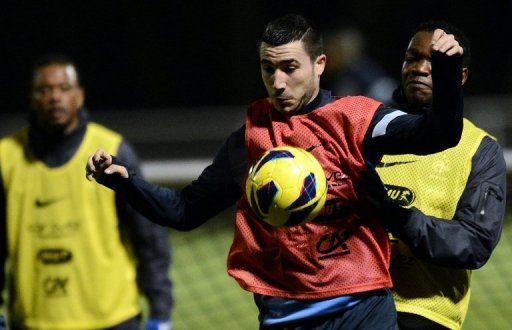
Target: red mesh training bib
(341, 251)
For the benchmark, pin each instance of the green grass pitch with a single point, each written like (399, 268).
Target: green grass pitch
(207, 298)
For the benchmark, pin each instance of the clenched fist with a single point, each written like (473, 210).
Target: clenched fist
(99, 165)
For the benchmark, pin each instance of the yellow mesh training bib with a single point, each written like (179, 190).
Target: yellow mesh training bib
(433, 184)
(69, 268)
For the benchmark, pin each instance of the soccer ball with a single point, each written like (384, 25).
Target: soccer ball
(286, 186)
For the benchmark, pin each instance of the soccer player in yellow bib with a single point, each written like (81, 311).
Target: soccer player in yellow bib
(69, 242)
(455, 200)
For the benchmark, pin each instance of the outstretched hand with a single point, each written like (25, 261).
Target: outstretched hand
(445, 43)
(100, 165)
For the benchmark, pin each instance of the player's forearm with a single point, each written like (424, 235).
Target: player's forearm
(438, 129)
(216, 189)
(468, 240)
(441, 125)
(164, 206)
(445, 120)
(451, 243)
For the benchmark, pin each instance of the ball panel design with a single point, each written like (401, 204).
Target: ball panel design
(263, 173)
(272, 155)
(265, 196)
(254, 204)
(307, 192)
(297, 217)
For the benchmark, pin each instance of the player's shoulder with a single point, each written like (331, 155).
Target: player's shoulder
(356, 99)
(102, 130)
(468, 124)
(352, 98)
(356, 103)
(100, 135)
(20, 136)
(473, 131)
(489, 150)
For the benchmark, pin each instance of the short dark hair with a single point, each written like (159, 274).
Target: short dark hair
(464, 42)
(55, 59)
(290, 28)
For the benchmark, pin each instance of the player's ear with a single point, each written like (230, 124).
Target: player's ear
(80, 96)
(320, 64)
(465, 73)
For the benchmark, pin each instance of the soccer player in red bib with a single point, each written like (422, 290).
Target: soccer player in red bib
(332, 272)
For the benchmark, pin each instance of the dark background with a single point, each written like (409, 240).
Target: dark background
(145, 54)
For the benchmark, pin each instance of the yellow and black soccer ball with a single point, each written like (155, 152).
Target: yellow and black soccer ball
(286, 186)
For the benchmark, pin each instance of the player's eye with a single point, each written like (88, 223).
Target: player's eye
(410, 58)
(268, 69)
(290, 69)
(41, 91)
(66, 87)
